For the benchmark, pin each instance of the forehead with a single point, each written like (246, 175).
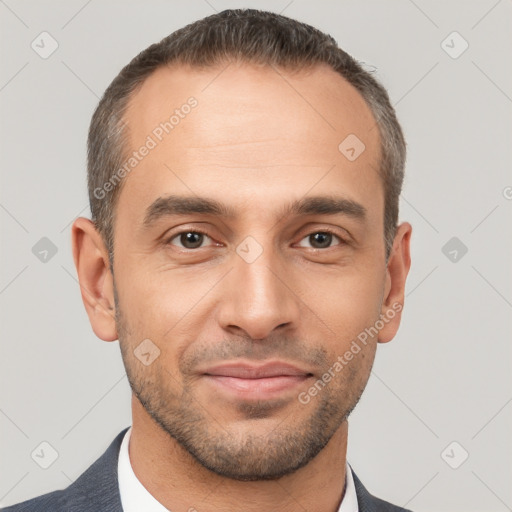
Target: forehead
(249, 134)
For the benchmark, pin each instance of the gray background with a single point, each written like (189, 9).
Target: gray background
(445, 377)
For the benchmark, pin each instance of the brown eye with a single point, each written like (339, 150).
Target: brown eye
(321, 239)
(189, 239)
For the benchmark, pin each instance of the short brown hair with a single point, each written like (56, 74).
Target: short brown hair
(246, 35)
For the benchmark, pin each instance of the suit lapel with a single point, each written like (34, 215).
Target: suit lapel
(365, 501)
(97, 489)
(369, 503)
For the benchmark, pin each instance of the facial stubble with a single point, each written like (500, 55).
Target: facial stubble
(241, 454)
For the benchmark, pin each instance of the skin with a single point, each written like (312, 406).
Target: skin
(258, 139)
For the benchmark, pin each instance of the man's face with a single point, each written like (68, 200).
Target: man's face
(249, 309)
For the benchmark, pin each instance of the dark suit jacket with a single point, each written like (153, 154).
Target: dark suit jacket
(97, 490)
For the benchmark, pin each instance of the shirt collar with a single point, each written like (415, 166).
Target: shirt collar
(135, 497)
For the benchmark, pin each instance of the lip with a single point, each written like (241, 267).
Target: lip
(251, 371)
(256, 382)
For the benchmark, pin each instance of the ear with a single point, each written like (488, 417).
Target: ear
(95, 278)
(397, 269)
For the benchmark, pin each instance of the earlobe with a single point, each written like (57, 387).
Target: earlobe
(394, 288)
(95, 278)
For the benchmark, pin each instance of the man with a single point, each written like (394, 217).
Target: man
(244, 177)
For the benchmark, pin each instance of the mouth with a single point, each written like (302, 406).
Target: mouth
(256, 382)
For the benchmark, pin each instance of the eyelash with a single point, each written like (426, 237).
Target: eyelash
(197, 230)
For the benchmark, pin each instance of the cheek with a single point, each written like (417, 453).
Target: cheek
(167, 307)
(344, 303)
(155, 298)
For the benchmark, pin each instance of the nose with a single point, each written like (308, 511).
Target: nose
(258, 297)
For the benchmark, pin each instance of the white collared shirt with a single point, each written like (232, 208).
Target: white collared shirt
(135, 497)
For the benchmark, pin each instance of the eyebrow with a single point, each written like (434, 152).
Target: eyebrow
(312, 205)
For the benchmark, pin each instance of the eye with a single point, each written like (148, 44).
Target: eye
(190, 239)
(321, 239)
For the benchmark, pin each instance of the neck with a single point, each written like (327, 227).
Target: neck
(179, 482)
